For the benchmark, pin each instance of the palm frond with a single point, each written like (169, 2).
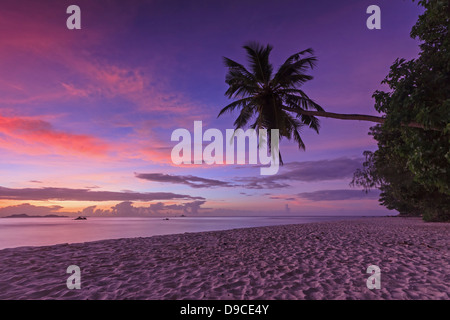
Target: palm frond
(240, 85)
(296, 56)
(299, 101)
(295, 126)
(244, 117)
(294, 66)
(236, 104)
(233, 65)
(311, 121)
(258, 58)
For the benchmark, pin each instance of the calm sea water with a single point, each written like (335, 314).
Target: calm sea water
(17, 232)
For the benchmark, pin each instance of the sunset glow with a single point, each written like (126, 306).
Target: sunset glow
(84, 112)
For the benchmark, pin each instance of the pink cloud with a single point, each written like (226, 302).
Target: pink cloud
(70, 194)
(34, 131)
(136, 85)
(38, 41)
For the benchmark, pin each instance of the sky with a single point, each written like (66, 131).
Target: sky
(86, 116)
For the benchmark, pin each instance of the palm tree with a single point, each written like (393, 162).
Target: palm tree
(267, 98)
(274, 101)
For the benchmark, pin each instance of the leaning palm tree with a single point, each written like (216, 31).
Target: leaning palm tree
(275, 101)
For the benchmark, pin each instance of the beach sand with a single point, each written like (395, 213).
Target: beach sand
(326, 260)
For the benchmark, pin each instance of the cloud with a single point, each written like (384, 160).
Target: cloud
(35, 131)
(67, 194)
(341, 194)
(88, 211)
(126, 208)
(308, 171)
(193, 207)
(26, 208)
(261, 183)
(322, 169)
(106, 81)
(40, 40)
(189, 207)
(283, 198)
(192, 181)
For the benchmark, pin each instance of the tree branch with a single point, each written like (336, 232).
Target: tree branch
(360, 117)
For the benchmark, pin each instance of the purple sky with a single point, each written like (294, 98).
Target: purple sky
(86, 115)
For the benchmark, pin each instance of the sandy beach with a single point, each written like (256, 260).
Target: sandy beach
(326, 260)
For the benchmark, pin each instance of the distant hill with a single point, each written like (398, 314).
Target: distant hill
(23, 215)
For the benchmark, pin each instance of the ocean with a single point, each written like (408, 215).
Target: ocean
(18, 232)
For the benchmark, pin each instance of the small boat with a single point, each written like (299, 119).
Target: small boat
(166, 218)
(80, 218)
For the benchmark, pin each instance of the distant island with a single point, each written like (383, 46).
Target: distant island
(23, 215)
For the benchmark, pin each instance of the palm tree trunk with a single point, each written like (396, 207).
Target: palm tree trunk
(360, 117)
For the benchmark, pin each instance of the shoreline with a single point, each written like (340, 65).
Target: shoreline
(70, 232)
(318, 260)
